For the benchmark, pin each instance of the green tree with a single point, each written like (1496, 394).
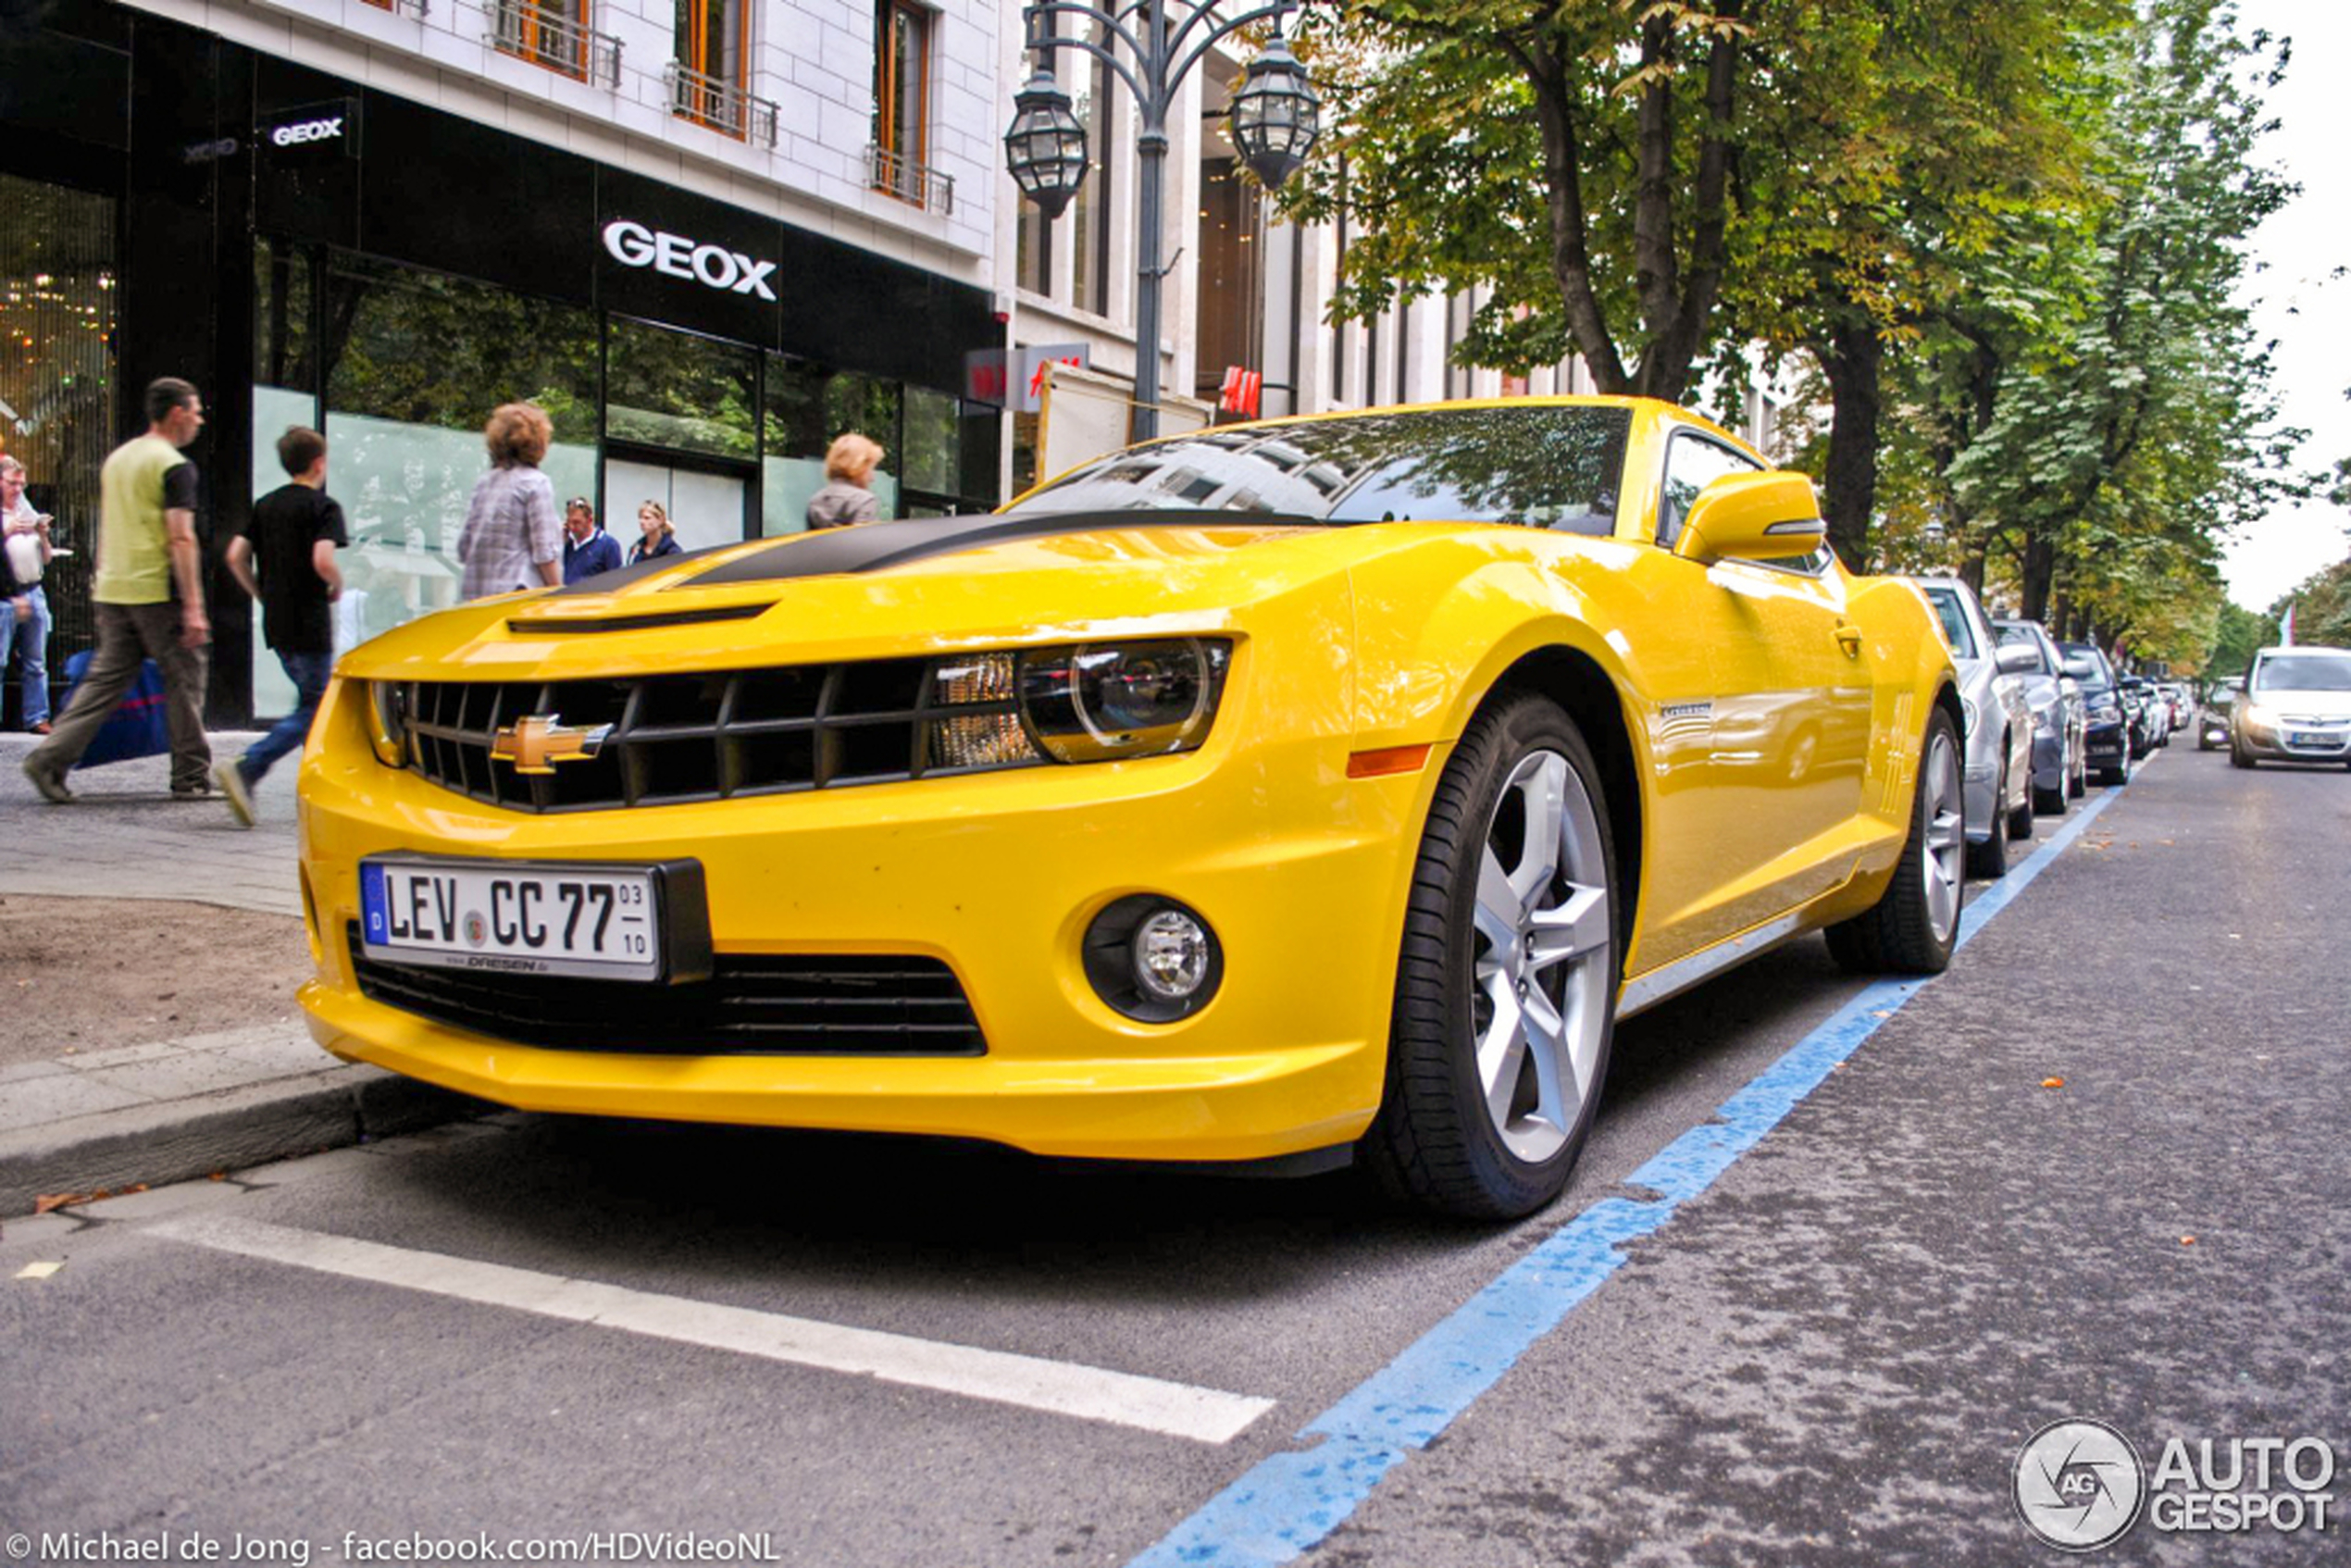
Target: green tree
(1579, 161)
(2117, 445)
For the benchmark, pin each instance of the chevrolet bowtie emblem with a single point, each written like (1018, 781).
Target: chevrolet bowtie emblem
(537, 744)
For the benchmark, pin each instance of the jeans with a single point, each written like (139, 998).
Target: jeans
(309, 672)
(26, 634)
(127, 634)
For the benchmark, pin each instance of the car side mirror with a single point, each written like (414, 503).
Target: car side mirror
(2081, 668)
(1752, 517)
(2019, 658)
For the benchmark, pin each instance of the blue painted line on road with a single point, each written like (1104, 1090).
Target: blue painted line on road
(1286, 1503)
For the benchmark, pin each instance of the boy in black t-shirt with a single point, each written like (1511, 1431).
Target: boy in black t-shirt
(286, 559)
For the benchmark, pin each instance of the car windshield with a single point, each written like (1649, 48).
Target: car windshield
(1548, 467)
(1956, 630)
(2304, 672)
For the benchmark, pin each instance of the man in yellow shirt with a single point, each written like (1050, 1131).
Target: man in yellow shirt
(149, 596)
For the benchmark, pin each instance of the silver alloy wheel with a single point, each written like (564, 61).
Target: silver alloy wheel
(1945, 836)
(1540, 1006)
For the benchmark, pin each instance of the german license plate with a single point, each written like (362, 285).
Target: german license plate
(598, 921)
(2311, 738)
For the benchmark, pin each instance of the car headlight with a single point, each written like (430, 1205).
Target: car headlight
(1100, 700)
(1095, 701)
(388, 721)
(2045, 720)
(2262, 716)
(2106, 708)
(1967, 706)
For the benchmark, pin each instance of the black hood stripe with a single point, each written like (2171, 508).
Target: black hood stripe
(875, 547)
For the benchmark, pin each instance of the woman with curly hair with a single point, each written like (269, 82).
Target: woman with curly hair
(660, 537)
(513, 538)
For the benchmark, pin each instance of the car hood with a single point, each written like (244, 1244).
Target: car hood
(2309, 704)
(882, 590)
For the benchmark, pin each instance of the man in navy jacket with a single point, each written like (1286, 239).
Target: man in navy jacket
(588, 549)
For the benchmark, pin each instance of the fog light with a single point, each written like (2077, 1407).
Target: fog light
(1152, 959)
(1171, 955)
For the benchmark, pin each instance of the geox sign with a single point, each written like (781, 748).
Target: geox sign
(332, 126)
(713, 267)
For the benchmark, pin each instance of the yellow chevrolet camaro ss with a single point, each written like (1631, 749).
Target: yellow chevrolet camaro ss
(1275, 793)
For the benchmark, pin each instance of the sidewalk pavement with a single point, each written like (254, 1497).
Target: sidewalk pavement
(110, 1119)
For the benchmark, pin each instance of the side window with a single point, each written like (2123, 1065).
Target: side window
(1691, 463)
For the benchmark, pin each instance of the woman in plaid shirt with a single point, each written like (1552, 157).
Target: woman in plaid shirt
(513, 537)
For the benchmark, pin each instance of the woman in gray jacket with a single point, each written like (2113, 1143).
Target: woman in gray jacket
(848, 495)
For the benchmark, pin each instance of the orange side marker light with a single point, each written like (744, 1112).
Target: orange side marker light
(1388, 760)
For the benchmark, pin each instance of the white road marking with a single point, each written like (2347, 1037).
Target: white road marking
(1176, 1409)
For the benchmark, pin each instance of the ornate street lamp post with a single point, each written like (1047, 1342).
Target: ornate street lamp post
(1275, 117)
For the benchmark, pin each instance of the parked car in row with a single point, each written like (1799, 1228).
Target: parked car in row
(2060, 744)
(2108, 731)
(2296, 707)
(1998, 772)
(2150, 715)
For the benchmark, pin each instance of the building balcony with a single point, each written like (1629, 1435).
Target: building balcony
(721, 105)
(546, 37)
(917, 184)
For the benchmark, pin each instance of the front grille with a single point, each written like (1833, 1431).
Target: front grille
(752, 1005)
(682, 737)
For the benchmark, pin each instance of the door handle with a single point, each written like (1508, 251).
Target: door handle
(1849, 639)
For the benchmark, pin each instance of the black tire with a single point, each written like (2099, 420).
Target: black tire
(2120, 774)
(2051, 803)
(1989, 860)
(2020, 819)
(2238, 755)
(2080, 776)
(1434, 1141)
(1897, 933)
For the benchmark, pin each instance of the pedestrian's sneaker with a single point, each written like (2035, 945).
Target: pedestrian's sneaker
(234, 790)
(49, 781)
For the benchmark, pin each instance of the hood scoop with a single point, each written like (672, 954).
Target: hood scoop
(573, 626)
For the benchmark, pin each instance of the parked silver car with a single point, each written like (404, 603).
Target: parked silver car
(2296, 707)
(1996, 782)
(2060, 714)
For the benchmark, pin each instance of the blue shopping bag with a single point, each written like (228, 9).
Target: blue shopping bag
(137, 728)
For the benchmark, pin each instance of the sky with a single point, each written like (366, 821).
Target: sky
(2309, 313)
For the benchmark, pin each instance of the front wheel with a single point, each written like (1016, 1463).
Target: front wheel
(1506, 985)
(2238, 755)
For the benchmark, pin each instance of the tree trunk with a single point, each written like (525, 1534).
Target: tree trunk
(2040, 574)
(1853, 362)
(1971, 570)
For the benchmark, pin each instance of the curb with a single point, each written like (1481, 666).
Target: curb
(151, 1145)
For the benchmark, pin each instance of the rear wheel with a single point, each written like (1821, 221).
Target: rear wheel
(1506, 986)
(1914, 926)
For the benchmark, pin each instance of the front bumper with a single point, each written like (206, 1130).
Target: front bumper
(1301, 871)
(2108, 744)
(2311, 740)
(2050, 761)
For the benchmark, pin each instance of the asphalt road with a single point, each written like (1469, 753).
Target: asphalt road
(1830, 1354)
